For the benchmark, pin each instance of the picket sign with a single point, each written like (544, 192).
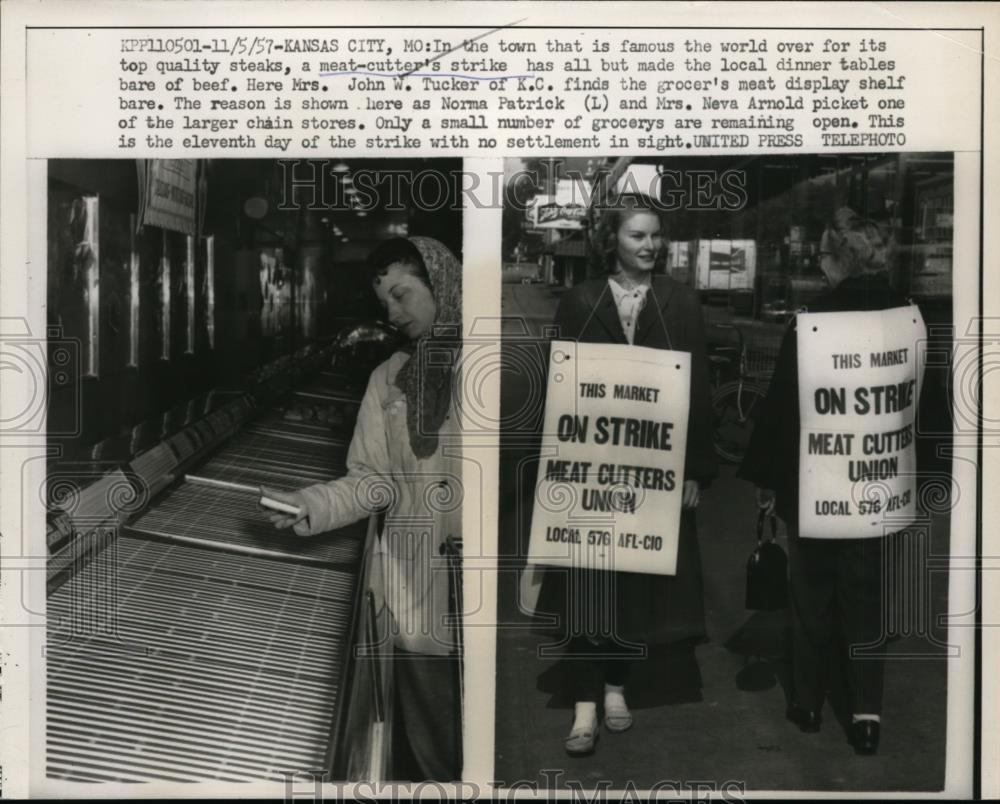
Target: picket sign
(611, 469)
(859, 382)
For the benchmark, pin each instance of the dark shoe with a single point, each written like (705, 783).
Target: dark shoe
(864, 737)
(807, 720)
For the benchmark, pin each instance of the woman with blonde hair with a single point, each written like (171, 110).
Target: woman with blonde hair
(609, 619)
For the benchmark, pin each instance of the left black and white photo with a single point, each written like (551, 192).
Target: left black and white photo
(253, 476)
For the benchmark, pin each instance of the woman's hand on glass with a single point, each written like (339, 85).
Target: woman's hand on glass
(765, 499)
(285, 519)
(691, 494)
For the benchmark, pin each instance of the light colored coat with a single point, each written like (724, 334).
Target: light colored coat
(423, 500)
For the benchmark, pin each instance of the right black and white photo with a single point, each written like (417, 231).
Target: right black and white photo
(726, 473)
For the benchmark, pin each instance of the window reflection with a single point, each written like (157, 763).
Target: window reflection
(164, 283)
(210, 289)
(190, 288)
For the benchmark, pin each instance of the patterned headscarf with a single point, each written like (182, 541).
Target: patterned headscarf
(426, 378)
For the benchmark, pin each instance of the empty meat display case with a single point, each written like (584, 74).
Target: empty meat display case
(188, 640)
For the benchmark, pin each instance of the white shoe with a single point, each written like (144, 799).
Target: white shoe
(581, 741)
(617, 717)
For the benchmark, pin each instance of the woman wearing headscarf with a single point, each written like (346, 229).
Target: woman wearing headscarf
(608, 619)
(404, 460)
(835, 584)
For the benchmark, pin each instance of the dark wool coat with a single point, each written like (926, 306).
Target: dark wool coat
(645, 608)
(835, 585)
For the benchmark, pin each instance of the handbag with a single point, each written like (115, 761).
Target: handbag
(767, 570)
